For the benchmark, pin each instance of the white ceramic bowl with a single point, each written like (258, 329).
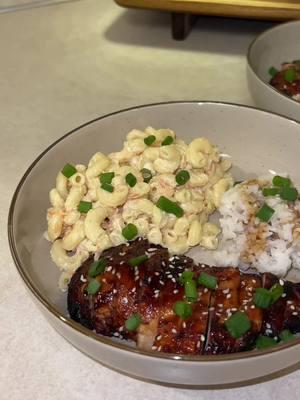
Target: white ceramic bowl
(272, 48)
(256, 140)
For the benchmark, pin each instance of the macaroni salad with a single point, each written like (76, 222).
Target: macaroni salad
(157, 187)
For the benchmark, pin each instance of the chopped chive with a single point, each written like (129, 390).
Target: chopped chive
(84, 206)
(182, 309)
(167, 140)
(147, 175)
(286, 335)
(93, 286)
(276, 292)
(169, 206)
(281, 181)
(129, 231)
(263, 342)
(134, 262)
(238, 324)
(289, 193)
(130, 179)
(290, 75)
(265, 213)
(262, 298)
(190, 290)
(149, 140)
(182, 177)
(97, 268)
(186, 276)
(133, 322)
(273, 71)
(68, 170)
(207, 280)
(106, 177)
(107, 187)
(270, 191)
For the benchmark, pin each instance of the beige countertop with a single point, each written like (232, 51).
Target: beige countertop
(62, 65)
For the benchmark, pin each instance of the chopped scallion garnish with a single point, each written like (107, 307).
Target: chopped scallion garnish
(262, 298)
(106, 177)
(169, 206)
(136, 261)
(182, 177)
(238, 324)
(149, 140)
(107, 187)
(273, 71)
(290, 75)
(186, 276)
(147, 175)
(182, 309)
(84, 206)
(93, 286)
(190, 290)
(265, 213)
(263, 342)
(133, 322)
(130, 179)
(167, 141)
(68, 170)
(286, 335)
(207, 280)
(281, 181)
(270, 191)
(129, 231)
(289, 193)
(276, 292)
(97, 268)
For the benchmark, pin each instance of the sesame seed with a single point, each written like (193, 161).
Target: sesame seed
(204, 312)
(122, 262)
(172, 258)
(114, 291)
(137, 278)
(152, 249)
(184, 324)
(154, 347)
(202, 338)
(220, 305)
(234, 309)
(149, 279)
(289, 302)
(133, 289)
(281, 282)
(268, 326)
(211, 308)
(295, 313)
(174, 331)
(253, 280)
(173, 280)
(159, 348)
(283, 295)
(292, 307)
(122, 254)
(156, 295)
(243, 283)
(121, 328)
(269, 331)
(228, 296)
(175, 291)
(162, 283)
(158, 338)
(116, 334)
(252, 307)
(104, 280)
(82, 278)
(170, 276)
(205, 290)
(163, 263)
(113, 271)
(127, 244)
(198, 344)
(109, 268)
(156, 290)
(225, 291)
(118, 275)
(156, 273)
(246, 307)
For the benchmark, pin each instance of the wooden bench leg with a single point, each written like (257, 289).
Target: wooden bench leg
(182, 25)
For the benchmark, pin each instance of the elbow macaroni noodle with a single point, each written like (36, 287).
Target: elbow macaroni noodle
(76, 235)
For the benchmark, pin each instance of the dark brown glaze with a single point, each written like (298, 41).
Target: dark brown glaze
(234, 293)
(288, 88)
(152, 289)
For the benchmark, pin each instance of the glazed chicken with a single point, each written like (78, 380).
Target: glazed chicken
(150, 290)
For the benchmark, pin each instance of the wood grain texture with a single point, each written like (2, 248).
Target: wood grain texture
(257, 9)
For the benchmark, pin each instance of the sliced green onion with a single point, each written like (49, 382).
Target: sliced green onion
(238, 324)
(84, 206)
(270, 191)
(190, 291)
(290, 75)
(182, 177)
(276, 292)
(265, 213)
(133, 322)
(281, 181)
(167, 140)
(134, 262)
(107, 187)
(130, 231)
(273, 71)
(93, 286)
(289, 193)
(169, 206)
(106, 177)
(182, 309)
(186, 276)
(286, 335)
(68, 170)
(263, 342)
(208, 281)
(262, 298)
(147, 174)
(130, 179)
(97, 268)
(149, 140)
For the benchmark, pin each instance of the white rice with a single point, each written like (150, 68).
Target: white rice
(248, 242)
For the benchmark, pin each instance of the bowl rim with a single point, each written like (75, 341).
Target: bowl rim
(250, 65)
(80, 328)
